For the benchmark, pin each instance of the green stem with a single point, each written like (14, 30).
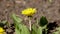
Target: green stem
(30, 23)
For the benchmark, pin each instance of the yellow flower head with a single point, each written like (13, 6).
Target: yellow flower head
(1, 33)
(29, 11)
(1, 30)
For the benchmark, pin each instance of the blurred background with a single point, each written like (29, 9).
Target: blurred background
(48, 8)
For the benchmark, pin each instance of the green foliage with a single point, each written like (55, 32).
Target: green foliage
(57, 31)
(19, 27)
(43, 21)
(2, 23)
(41, 26)
(16, 18)
(34, 29)
(22, 29)
(39, 31)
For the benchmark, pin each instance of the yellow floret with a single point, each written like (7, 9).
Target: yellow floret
(29, 11)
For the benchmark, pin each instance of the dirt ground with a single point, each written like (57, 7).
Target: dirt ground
(50, 9)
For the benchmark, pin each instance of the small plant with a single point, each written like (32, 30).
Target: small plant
(37, 28)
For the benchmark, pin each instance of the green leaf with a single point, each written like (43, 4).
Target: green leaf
(22, 29)
(2, 23)
(17, 31)
(39, 31)
(25, 30)
(34, 29)
(19, 27)
(16, 18)
(43, 21)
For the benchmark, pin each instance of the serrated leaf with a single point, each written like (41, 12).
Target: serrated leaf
(25, 30)
(19, 27)
(33, 32)
(43, 21)
(22, 29)
(17, 31)
(39, 31)
(16, 18)
(34, 29)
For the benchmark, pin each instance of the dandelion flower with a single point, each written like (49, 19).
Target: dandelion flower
(1, 30)
(29, 11)
(1, 33)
